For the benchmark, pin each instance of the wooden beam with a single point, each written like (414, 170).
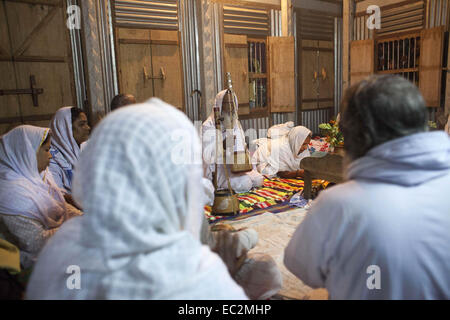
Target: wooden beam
(35, 59)
(249, 4)
(38, 117)
(26, 44)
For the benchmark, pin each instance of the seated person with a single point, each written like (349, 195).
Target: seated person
(122, 100)
(282, 156)
(140, 236)
(383, 234)
(240, 182)
(69, 130)
(255, 272)
(32, 207)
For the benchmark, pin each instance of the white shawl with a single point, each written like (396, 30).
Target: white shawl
(139, 238)
(65, 150)
(23, 190)
(274, 155)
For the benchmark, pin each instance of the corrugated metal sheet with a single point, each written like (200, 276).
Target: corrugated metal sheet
(239, 20)
(157, 14)
(409, 17)
(438, 13)
(191, 59)
(312, 118)
(316, 26)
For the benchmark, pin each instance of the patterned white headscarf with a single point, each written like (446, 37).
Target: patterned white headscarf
(141, 191)
(23, 190)
(63, 140)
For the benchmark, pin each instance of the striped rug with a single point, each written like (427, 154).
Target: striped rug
(273, 197)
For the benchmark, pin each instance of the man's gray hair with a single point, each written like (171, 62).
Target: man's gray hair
(379, 109)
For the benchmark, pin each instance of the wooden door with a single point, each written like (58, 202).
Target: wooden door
(149, 65)
(362, 57)
(309, 76)
(236, 62)
(34, 44)
(134, 63)
(282, 74)
(166, 62)
(326, 74)
(430, 66)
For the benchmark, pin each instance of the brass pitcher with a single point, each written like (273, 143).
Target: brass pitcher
(226, 203)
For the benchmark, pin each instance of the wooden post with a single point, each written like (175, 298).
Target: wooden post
(286, 18)
(347, 34)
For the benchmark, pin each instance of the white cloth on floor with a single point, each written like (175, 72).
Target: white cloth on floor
(240, 182)
(140, 236)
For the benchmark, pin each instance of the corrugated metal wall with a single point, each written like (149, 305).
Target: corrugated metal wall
(438, 13)
(410, 17)
(239, 20)
(157, 14)
(312, 118)
(191, 59)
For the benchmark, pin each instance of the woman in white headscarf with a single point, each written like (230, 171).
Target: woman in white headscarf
(240, 182)
(282, 156)
(140, 239)
(70, 129)
(31, 205)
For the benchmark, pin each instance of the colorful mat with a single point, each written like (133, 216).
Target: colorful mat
(273, 197)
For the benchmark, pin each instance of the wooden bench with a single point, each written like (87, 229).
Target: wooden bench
(329, 167)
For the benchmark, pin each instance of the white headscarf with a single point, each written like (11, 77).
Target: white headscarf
(209, 134)
(62, 138)
(139, 238)
(282, 154)
(23, 190)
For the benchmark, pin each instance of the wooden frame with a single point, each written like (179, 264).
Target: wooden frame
(150, 42)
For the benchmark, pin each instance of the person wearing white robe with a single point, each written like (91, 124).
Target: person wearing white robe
(240, 182)
(65, 148)
(384, 233)
(32, 207)
(283, 154)
(140, 236)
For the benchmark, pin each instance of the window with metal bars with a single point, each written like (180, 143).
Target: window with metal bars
(257, 65)
(399, 56)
